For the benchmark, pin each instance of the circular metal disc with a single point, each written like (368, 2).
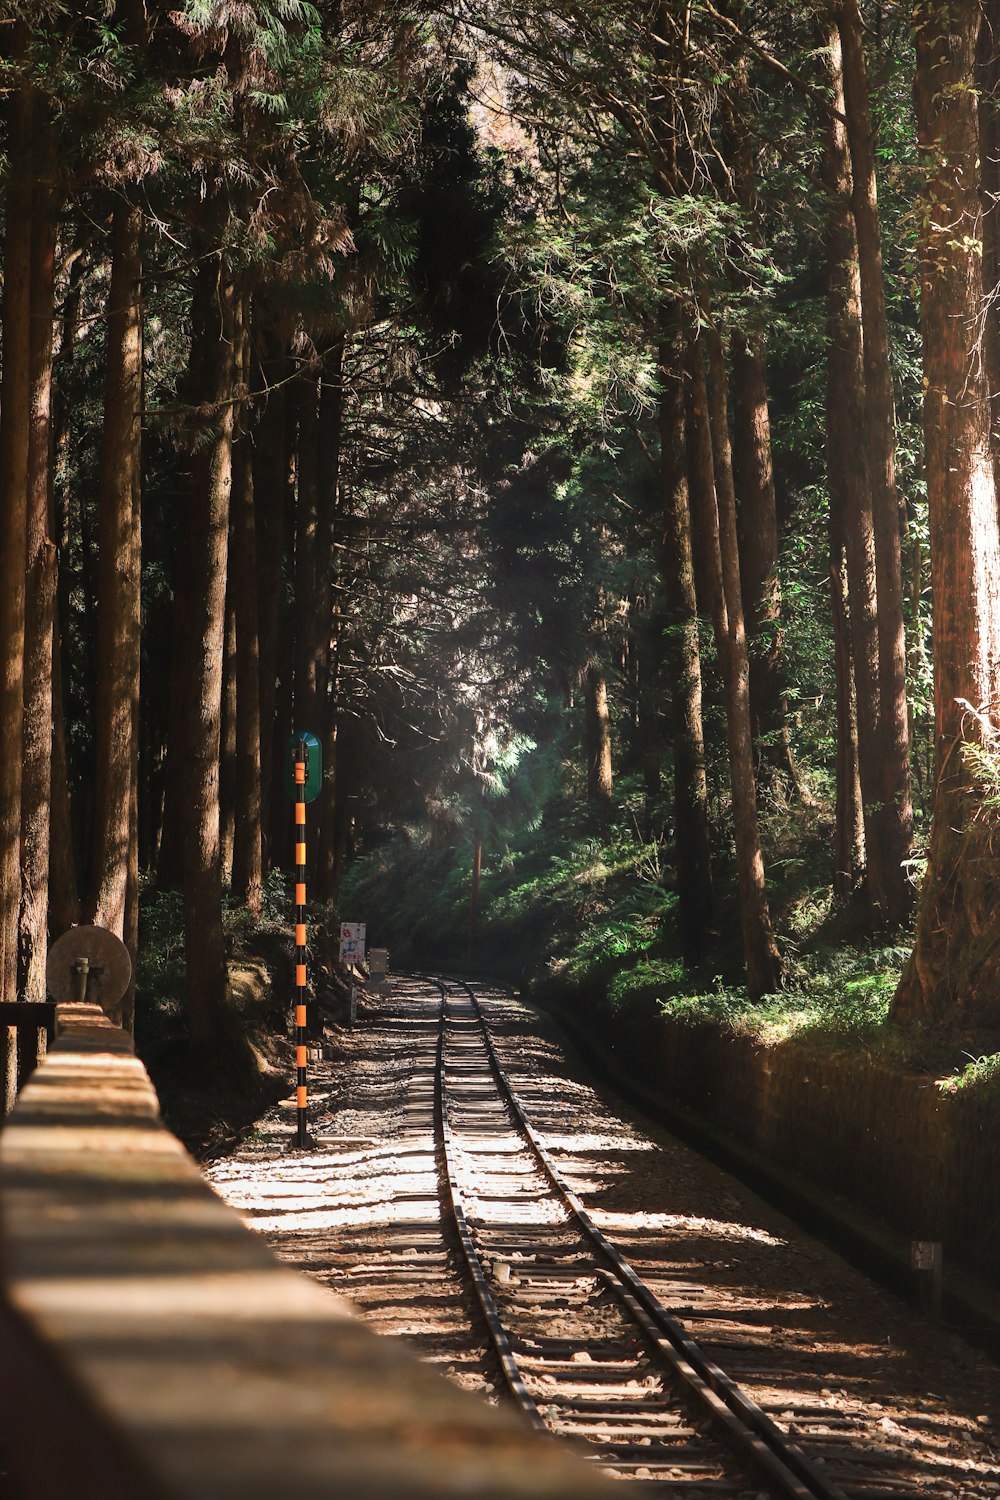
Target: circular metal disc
(104, 951)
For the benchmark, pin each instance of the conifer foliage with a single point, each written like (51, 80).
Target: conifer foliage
(578, 382)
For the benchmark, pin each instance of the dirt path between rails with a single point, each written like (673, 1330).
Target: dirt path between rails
(361, 1215)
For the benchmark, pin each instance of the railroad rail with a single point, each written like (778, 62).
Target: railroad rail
(546, 1277)
(152, 1348)
(541, 1261)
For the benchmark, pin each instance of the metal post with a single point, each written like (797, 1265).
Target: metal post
(301, 1055)
(81, 974)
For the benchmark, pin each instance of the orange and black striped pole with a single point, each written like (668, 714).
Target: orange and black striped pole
(301, 982)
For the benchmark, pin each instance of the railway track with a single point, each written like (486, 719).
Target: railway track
(544, 1178)
(585, 1348)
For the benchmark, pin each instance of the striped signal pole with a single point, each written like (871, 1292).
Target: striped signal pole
(301, 983)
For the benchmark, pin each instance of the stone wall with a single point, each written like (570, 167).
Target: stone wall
(927, 1164)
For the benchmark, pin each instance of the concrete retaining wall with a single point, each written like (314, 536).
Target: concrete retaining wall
(927, 1164)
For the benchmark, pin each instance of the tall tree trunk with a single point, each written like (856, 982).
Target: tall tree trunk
(956, 960)
(988, 86)
(307, 579)
(15, 398)
(849, 830)
(691, 828)
(270, 483)
(328, 621)
(477, 872)
(327, 879)
(119, 603)
(753, 472)
(598, 737)
(227, 749)
(847, 470)
(212, 371)
(66, 837)
(64, 898)
(130, 935)
(892, 818)
(41, 588)
(758, 522)
(247, 844)
(65, 500)
(714, 503)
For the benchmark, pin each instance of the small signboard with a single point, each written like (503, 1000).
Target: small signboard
(378, 964)
(314, 766)
(352, 942)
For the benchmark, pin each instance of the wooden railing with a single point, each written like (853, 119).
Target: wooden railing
(151, 1347)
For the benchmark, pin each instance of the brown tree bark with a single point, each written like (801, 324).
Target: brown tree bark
(15, 398)
(714, 505)
(758, 532)
(307, 577)
(988, 86)
(849, 829)
(597, 721)
(892, 817)
(212, 381)
(328, 624)
(170, 856)
(227, 748)
(64, 898)
(477, 872)
(271, 484)
(956, 959)
(119, 601)
(40, 589)
(247, 844)
(847, 471)
(691, 826)
(753, 473)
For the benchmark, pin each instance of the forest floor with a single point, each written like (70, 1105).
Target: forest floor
(361, 1216)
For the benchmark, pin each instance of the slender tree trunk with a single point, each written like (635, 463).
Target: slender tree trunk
(714, 502)
(307, 605)
(66, 835)
(170, 858)
(270, 482)
(988, 85)
(849, 831)
(15, 398)
(65, 500)
(956, 960)
(64, 899)
(847, 469)
(326, 863)
(328, 622)
(753, 473)
(41, 589)
(342, 822)
(130, 935)
(892, 818)
(477, 871)
(598, 737)
(119, 606)
(691, 828)
(227, 752)
(247, 842)
(212, 388)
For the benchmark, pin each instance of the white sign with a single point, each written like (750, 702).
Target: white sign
(352, 942)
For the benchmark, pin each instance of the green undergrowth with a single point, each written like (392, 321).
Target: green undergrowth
(207, 1101)
(583, 911)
